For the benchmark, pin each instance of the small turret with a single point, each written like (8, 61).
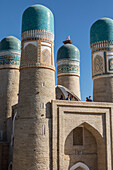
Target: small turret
(101, 42)
(68, 67)
(9, 82)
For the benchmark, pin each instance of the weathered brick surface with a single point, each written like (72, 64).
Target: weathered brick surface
(96, 120)
(4, 155)
(9, 86)
(71, 82)
(102, 89)
(32, 146)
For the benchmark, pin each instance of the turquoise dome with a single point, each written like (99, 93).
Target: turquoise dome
(68, 52)
(38, 17)
(101, 30)
(10, 43)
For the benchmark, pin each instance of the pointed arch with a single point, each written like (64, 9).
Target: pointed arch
(79, 164)
(91, 128)
(98, 143)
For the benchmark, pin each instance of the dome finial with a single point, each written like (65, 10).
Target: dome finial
(67, 41)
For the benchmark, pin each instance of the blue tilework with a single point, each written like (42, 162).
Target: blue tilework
(68, 69)
(101, 30)
(14, 60)
(10, 43)
(68, 52)
(38, 17)
(111, 64)
(9, 62)
(16, 57)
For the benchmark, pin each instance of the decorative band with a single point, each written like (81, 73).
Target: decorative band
(102, 49)
(75, 69)
(10, 60)
(10, 52)
(101, 44)
(37, 33)
(9, 67)
(68, 62)
(104, 75)
(37, 38)
(11, 57)
(37, 66)
(68, 74)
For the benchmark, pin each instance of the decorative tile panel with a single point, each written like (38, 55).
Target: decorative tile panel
(37, 52)
(8, 59)
(37, 34)
(110, 64)
(29, 54)
(98, 65)
(75, 69)
(46, 56)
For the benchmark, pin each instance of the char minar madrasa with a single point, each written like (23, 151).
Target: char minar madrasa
(38, 131)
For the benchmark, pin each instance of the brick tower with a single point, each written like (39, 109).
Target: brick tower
(68, 67)
(9, 86)
(9, 78)
(101, 41)
(37, 88)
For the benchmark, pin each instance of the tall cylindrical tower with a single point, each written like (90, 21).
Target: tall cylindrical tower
(32, 143)
(68, 67)
(101, 40)
(9, 82)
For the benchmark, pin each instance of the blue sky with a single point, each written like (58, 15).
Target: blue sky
(72, 17)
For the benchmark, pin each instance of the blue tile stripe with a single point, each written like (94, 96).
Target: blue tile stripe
(68, 69)
(11, 60)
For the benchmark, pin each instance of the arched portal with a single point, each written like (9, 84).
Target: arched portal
(84, 144)
(79, 165)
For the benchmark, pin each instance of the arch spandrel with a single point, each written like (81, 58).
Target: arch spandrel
(91, 128)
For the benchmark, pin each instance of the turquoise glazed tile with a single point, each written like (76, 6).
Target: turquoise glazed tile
(101, 30)
(38, 17)
(10, 43)
(68, 52)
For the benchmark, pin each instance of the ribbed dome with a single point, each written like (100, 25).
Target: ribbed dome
(101, 30)
(38, 17)
(68, 52)
(10, 43)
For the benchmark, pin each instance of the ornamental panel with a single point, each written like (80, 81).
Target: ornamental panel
(29, 54)
(98, 65)
(68, 69)
(110, 62)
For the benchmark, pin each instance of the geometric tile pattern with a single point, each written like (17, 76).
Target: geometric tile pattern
(37, 57)
(29, 54)
(98, 65)
(46, 56)
(111, 64)
(102, 49)
(38, 34)
(101, 44)
(68, 69)
(10, 60)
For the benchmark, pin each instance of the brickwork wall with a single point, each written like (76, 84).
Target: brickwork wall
(4, 155)
(86, 153)
(9, 86)
(71, 82)
(33, 122)
(96, 119)
(103, 89)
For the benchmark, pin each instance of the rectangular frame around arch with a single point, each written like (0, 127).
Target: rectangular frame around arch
(103, 113)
